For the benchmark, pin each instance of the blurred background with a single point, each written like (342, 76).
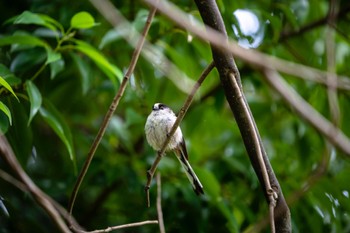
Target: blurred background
(77, 90)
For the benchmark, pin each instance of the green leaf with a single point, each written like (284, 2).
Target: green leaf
(53, 117)
(34, 98)
(8, 87)
(23, 40)
(111, 36)
(82, 20)
(10, 78)
(84, 69)
(52, 56)
(5, 110)
(28, 17)
(4, 123)
(109, 69)
(56, 67)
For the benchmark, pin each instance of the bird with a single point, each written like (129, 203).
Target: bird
(157, 128)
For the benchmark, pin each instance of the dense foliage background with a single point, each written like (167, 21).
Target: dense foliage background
(77, 79)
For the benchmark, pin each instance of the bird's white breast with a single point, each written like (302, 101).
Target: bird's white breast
(157, 127)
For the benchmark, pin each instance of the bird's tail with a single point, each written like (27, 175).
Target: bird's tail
(196, 184)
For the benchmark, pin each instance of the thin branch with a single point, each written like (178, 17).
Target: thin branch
(250, 56)
(151, 171)
(7, 154)
(18, 184)
(10, 179)
(152, 53)
(331, 49)
(307, 112)
(159, 204)
(109, 229)
(320, 22)
(251, 127)
(113, 105)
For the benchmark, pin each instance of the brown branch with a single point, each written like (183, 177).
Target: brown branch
(331, 63)
(248, 55)
(18, 184)
(180, 116)
(307, 112)
(230, 79)
(7, 154)
(272, 195)
(109, 229)
(159, 204)
(98, 4)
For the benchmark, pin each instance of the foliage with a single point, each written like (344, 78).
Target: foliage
(59, 73)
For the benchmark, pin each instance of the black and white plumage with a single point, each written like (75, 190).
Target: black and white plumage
(157, 128)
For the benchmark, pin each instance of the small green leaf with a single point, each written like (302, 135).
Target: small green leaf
(53, 117)
(109, 69)
(28, 17)
(111, 36)
(52, 56)
(4, 123)
(56, 67)
(8, 87)
(82, 20)
(5, 110)
(85, 72)
(23, 40)
(10, 78)
(34, 98)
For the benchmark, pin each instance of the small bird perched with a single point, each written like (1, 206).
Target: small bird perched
(157, 128)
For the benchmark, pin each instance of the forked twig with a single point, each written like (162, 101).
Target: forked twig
(113, 105)
(151, 171)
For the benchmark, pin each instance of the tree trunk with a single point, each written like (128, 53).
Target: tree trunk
(226, 67)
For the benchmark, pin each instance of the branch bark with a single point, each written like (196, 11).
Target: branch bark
(226, 67)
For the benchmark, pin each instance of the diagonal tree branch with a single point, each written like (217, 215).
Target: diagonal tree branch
(113, 105)
(7, 155)
(307, 112)
(250, 56)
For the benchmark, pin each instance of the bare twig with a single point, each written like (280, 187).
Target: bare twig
(159, 204)
(114, 104)
(307, 112)
(331, 77)
(248, 55)
(10, 179)
(151, 171)
(109, 229)
(7, 154)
